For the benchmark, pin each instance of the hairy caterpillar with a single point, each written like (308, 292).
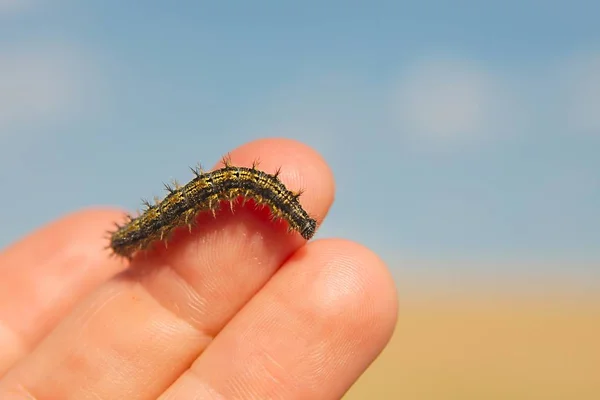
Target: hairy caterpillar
(205, 193)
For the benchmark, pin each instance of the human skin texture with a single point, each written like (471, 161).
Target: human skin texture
(236, 309)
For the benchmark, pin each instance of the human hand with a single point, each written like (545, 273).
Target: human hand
(236, 310)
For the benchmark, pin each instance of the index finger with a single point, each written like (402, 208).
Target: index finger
(146, 327)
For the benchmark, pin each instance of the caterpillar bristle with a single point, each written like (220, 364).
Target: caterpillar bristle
(146, 204)
(196, 171)
(169, 188)
(226, 160)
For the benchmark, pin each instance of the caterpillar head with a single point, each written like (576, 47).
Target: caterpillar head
(308, 228)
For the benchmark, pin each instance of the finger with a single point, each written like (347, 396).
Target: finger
(45, 274)
(138, 333)
(309, 334)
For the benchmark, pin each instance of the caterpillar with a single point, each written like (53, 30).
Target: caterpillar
(205, 192)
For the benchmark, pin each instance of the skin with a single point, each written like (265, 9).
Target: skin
(238, 309)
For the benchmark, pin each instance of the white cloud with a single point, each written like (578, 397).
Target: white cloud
(442, 102)
(582, 84)
(438, 103)
(39, 85)
(446, 100)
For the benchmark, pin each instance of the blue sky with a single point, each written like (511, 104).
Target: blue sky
(482, 118)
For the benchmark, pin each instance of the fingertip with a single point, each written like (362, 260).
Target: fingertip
(356, 285)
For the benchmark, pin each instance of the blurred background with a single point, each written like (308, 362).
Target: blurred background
(472, 127)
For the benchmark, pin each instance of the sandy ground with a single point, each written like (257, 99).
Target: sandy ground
(476, 345)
